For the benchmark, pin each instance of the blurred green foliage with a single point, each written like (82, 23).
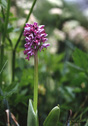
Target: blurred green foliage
(63, 68)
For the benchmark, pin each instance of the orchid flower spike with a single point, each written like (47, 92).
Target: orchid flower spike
(35, 38)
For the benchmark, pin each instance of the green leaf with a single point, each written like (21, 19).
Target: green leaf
(53, 117)
(10, 89)
(74, 67)
(32, 119)
(80, 59)
(3, 3)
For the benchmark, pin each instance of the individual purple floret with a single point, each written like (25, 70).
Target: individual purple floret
(35, 39)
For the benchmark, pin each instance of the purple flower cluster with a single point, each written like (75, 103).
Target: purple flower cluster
(35, 39)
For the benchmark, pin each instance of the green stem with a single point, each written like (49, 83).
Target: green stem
(1, 62)
(25, 23)
(10, 41)
(6, 20)
(13, 64)
(3, 15)
(35, 81)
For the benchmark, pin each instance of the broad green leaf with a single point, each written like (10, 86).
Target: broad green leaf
(80, 59)
(53, 117)
(32, 116)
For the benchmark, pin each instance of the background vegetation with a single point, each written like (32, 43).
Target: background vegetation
(63, 67)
